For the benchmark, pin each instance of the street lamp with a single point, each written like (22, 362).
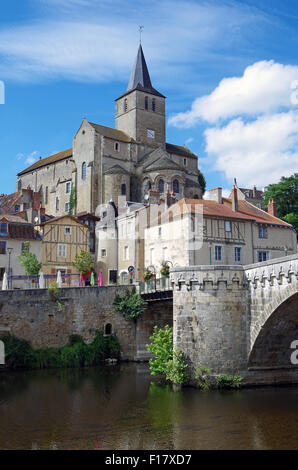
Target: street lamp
(9, 254)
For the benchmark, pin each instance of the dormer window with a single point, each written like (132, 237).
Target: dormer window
(17, 208)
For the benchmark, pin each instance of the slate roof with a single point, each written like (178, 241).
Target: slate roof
(180, 150)
(48, 160)
(111, 133)
(140, 78)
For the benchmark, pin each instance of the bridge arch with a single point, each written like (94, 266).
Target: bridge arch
(271, 347)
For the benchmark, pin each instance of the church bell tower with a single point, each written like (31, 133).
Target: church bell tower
(140, 111)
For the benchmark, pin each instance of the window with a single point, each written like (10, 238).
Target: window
(24, 248)
(103, 253)
(159, 231)
(67, 230)
(165, 254)
(263, 256)
(262, 231)
(2, 248)
(17, 208)
(126, 253)
(176, 186)
(3, 229)
(153, 105)
(123, 190)
(124, 277)
(185, 162)
(112, 276)
(57, 203)
(68, 187)
(61, 250)
(161, 186)
(150, 134)
(237, 254)
(218, 252)
(117, 146)
(47, 195)
(125, 105)
(227, 226)
(146, 102)
(84, 170)
(67, 207)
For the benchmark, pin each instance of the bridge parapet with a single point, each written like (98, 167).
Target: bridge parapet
(281, 271)
(207, 278)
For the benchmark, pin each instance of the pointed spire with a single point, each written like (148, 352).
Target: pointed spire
(140, 74)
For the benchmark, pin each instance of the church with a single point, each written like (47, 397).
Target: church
(128, 160)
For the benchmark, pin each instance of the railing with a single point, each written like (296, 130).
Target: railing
(32, 282)
(155, 285)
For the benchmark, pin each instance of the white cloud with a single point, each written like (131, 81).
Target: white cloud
(264, 87)
(29, 159)
(257, 152)
(97, 40)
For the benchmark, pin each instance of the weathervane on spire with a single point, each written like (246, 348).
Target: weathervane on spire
(141, 30)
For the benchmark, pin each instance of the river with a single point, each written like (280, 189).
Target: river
(120, 407)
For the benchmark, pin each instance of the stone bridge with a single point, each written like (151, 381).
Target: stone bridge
(239, 319)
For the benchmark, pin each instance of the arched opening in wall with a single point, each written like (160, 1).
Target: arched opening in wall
(108, 329)
(124, 277)
(161, 186)
(272, 347)
(123, 189)
(176, 187)
(84, 167)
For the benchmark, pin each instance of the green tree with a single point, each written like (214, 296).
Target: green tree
(29, 261)
(83, 262)
(285, 195)
(161, 347)
(202, 181)
(131, 305)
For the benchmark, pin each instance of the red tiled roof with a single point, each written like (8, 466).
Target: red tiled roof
(253, 212)
(18, 228)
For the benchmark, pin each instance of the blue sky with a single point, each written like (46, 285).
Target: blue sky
(226, 67)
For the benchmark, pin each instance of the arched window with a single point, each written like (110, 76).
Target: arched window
(146, 102)
(161, 185)
(125, 105)
(108, 329)
(123, 189)
(153, 105)
(176, 186)
(84, 170)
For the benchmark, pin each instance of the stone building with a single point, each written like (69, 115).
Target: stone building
(219, 231)
(128, 160)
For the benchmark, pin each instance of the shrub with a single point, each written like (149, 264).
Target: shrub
(148, 274)
(229, 382)
(176, 369)
(161, 347)
(83, 262)
(200, 376)
(19, 353)
(29, 261)
(165, 269)
(131, 305)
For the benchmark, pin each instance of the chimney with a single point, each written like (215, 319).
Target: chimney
(216, 195)
(254, 192)
(272, 208)
(234, 199)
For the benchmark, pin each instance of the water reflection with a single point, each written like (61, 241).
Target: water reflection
(120, 407)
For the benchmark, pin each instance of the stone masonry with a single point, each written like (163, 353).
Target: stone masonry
(31, 315)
